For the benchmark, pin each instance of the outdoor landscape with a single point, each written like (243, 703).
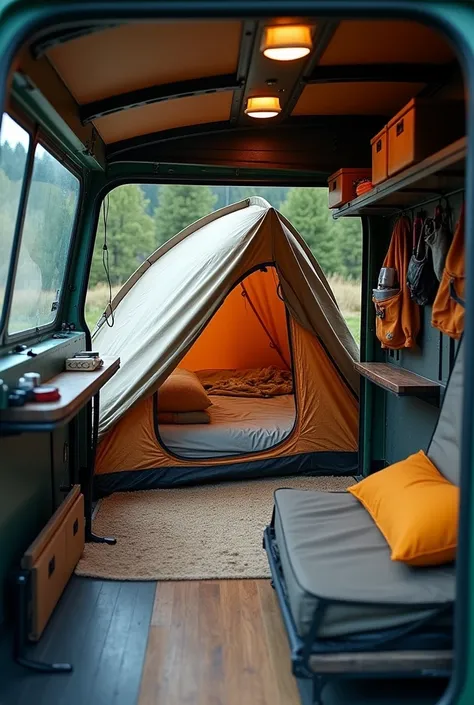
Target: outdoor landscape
(141, 217)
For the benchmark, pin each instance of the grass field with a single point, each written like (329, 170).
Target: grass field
(347, 294)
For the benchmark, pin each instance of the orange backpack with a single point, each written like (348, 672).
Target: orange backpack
(398, 317)
(448, 307)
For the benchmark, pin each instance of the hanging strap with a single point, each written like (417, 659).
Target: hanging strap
(453, 294)
(417, 230)
(273, 344)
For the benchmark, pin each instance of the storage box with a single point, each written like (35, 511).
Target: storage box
(51, 559)
(380, 156)
(422, 128)
(342, 185)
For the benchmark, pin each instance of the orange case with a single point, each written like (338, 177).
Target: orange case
(380, 156)
(421, 128)
(342, 185)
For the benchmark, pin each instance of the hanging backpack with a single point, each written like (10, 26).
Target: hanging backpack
(421, 279)
(438, 236)
(397, 319)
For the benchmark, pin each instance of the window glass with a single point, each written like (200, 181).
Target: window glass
(47, 230)
(14, 142)
(141, 217)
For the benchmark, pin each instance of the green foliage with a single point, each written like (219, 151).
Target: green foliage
(336, 244)
(13, 160)
(130, 235)
(275, 195)
(179, 206)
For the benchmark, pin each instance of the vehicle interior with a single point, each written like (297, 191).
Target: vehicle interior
(314, 492)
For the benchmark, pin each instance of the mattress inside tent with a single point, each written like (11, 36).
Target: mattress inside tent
(239, 425)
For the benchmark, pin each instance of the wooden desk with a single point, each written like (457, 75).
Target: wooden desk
(76, 389)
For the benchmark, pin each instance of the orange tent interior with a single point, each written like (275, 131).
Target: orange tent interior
(249, 330)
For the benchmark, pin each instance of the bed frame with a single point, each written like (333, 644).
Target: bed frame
(407, 653)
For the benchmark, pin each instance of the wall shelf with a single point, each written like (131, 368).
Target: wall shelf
(399, 381)
(436, 175)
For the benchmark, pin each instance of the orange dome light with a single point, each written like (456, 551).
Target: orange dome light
(263, 107)
(286, 42)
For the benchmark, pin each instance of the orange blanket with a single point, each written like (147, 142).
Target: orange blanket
(262, 382)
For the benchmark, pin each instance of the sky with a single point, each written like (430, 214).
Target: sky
(12, 133)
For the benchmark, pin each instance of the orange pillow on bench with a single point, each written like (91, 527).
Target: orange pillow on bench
(182, 391)
(415, 508)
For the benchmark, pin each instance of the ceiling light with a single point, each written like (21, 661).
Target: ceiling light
(263, 107)
(286, 42)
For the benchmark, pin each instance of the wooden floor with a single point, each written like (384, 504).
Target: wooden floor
(181, 643)
(217, 643)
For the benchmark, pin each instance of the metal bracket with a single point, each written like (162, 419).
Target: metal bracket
(22, 579)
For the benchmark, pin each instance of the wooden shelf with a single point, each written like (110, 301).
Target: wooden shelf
(76, 389)
(438, 174)
(395, 379)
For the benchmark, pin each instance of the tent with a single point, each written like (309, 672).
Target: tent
(237, 290)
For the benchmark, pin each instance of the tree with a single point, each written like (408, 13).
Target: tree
(336, 244)
(349, 239)
(130, 235)
(231, 194)
(179, 206)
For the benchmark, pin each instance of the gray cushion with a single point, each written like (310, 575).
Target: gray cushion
(444, 449)
(331, 549)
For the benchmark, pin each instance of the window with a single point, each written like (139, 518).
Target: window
(47, 230)
(141, 217)
(14, 143)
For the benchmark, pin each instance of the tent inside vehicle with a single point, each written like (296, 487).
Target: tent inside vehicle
(238, 299)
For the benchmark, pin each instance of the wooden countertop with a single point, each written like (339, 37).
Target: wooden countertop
(76, 389)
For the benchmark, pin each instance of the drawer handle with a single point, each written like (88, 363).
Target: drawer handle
(400, 127)
(75, 527)
(378, 146)
(51, 566)
(333, 185)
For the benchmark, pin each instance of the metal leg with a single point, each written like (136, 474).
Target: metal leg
(87, 478)
(21, 631)
(318, 686)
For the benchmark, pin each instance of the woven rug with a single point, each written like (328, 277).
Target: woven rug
(191, 533)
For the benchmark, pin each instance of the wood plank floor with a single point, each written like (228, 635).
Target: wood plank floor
(217, 643)
(101, 627)
(186, 643)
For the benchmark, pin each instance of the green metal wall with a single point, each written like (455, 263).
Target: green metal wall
(399, 426)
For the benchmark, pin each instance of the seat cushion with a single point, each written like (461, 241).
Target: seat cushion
(445, 447)
(330, 549)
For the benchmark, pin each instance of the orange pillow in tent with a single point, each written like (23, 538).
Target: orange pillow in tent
(415, 508)
(182, 391)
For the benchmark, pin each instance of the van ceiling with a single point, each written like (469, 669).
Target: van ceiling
(142, 85)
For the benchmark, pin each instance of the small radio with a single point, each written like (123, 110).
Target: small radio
(83, 363)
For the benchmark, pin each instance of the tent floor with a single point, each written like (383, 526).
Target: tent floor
(130, 647)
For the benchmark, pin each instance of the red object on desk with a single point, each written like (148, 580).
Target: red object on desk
(46, 393)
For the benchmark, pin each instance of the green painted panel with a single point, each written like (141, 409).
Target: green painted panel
(25, 498)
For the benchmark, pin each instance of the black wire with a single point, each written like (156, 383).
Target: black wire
(105, 261)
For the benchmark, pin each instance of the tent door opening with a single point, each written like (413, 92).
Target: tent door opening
(243, 359)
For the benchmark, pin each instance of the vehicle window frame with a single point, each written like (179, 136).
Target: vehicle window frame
(29, 128)
(39, 138)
